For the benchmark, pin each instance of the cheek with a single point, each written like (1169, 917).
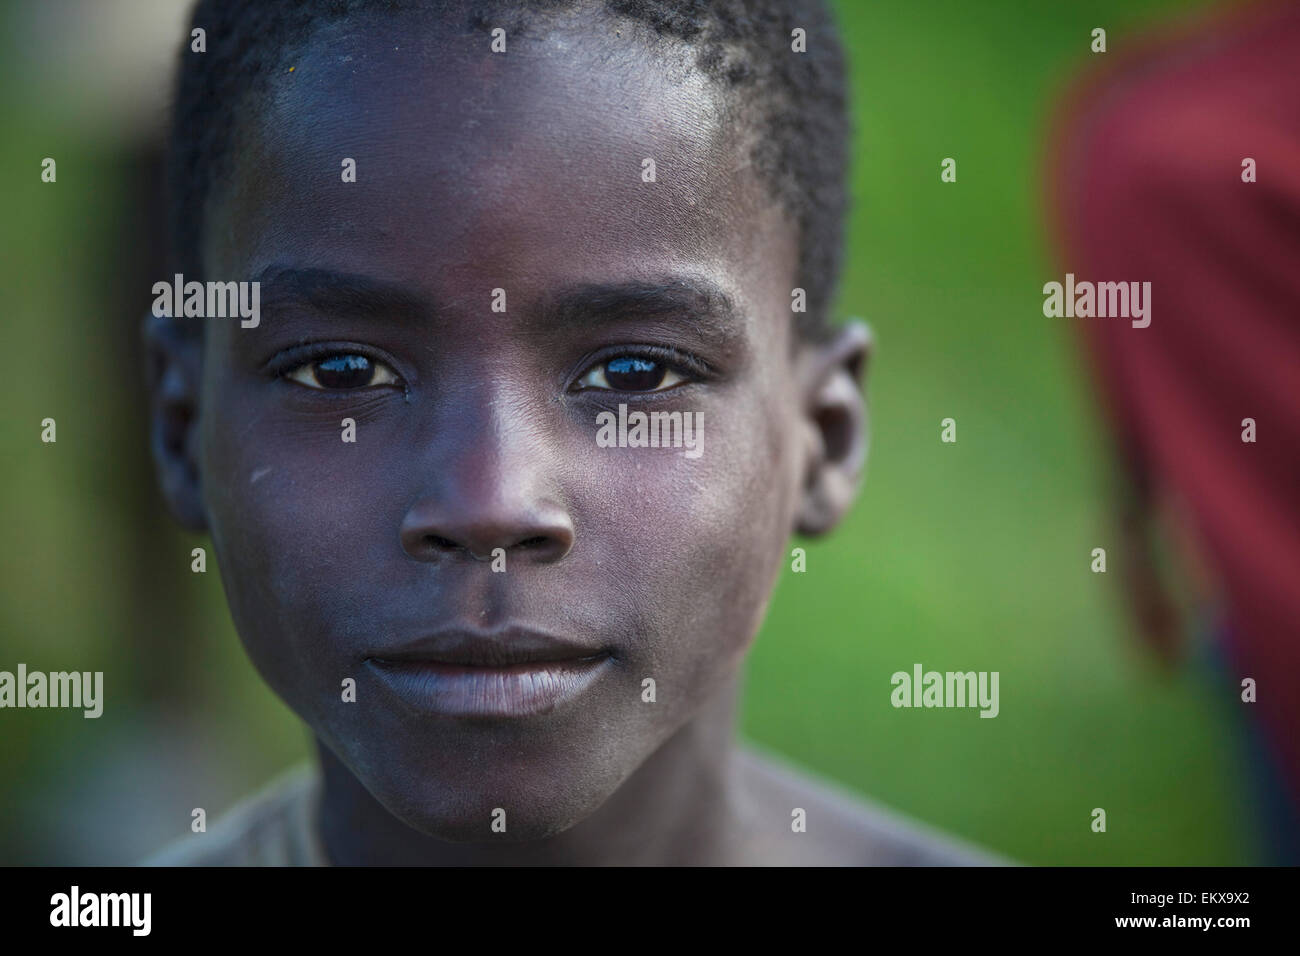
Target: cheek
(703, 540)
(293, 512)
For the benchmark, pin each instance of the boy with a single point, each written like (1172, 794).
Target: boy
(481, 235)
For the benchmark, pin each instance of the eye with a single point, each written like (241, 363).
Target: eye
(343, 370)
(631, 373)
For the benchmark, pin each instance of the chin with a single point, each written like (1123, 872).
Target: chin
(476, 801)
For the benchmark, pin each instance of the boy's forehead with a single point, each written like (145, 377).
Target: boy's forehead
(575, 151)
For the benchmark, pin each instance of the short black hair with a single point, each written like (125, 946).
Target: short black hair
(798, 100)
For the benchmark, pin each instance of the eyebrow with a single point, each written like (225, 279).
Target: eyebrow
(331, 291)
(694, 300)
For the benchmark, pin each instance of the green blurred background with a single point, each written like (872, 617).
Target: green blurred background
(966, 556)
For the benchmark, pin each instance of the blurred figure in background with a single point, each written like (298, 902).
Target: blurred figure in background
(1178, 163)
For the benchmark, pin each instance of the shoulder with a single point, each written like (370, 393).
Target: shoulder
(840, 829)
(274, 827)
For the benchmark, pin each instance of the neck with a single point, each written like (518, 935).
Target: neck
(678, 807)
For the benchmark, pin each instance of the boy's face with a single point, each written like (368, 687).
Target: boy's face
(476, 429)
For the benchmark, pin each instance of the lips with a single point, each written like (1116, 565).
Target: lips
(514, 672)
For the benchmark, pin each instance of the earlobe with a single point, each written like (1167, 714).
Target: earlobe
(174, 362)
(836, 425)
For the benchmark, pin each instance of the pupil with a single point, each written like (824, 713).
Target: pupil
(344, 371)
(634, 374)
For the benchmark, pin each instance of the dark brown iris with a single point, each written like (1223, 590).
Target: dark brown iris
(634, 374)
(345, 371)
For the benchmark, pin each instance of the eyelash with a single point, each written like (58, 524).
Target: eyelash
(690, 367)
(290, 360)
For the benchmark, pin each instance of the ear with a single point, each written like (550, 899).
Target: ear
(835, 425)
(175, 360)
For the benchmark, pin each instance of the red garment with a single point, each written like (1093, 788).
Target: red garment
(1145, 180)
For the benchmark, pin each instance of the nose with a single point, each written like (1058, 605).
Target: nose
(437, 528)
(495, 493)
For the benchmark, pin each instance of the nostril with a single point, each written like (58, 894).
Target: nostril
(473, 529)
(441, 544)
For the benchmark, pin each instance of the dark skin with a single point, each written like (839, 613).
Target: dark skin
(475, 430)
